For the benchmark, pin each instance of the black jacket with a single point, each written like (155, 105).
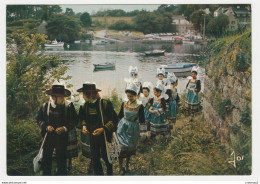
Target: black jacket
(69, 121)
(109, 116)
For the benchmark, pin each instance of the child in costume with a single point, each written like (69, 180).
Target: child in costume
(145, 97)
(131, 115)
(161, 75)
(173, 99)
(133, 71)
(158, 122)
(194, 87)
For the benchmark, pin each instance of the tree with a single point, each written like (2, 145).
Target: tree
(86, 19)
(150, 22)
(197, 19)
(121, 25)
(69, 12)
(29, 73)
(63, 28)
(217, 26)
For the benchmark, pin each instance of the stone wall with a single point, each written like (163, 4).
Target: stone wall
(227, 94)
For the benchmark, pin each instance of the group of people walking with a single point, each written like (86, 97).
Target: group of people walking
(146, 111)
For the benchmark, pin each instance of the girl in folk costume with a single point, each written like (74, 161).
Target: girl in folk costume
(131, 115)
(145, 97)
(158, 122)
(173, 99)
(161, 75)
(194, 87)
(133, 71)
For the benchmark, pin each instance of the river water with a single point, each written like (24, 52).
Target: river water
(81, 57)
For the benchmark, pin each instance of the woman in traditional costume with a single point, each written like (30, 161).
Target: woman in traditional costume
(194, 87)
(131, 115)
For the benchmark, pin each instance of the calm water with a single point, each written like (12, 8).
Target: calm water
(81, 58)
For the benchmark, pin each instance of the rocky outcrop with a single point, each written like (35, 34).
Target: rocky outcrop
(227, 89)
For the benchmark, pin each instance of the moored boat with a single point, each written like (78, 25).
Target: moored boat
(177, 40)
(101, 42)
(155, 53)
(105, 66)
(180, 69)
(54, 43)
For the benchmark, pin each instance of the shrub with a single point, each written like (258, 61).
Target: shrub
(241, 63)
(23, 143)
(246, 118)
(121, 25)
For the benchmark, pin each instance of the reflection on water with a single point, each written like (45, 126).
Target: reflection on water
(81, 67)
(136, 46)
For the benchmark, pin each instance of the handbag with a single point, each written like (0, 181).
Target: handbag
(37, 161)
(113, 148)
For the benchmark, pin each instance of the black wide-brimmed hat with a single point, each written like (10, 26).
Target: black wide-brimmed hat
(87, 86)
(58, 89)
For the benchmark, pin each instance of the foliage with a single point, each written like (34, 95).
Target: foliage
(69, 12)
(29, 73)
(148, 22)
(86, 19)
(23, 143)
(241, 63)
(63, 27)
(217, 26)
(43, 12)
(237, 51)
(246, 118)
(22, 26)
(121, 25)
(116, 13)
(103, 22)
(197, 18)
(221, 105)
(233, 53)
(195, 151)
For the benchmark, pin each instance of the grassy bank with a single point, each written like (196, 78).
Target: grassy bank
(191, 149)
(108, 21)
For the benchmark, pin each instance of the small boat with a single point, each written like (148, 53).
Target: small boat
(102, 42)
(155, 53)
(187, 41)
(77, 41)
(54, 43)
(105, 66)
(177, 40)
(180, 69)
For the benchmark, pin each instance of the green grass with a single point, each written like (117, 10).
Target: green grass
(102, 21)
(191, 149)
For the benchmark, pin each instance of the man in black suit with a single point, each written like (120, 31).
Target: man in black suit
(56, 118)
(92, 125)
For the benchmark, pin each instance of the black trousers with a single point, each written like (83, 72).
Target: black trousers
(98, 151)
(59, 142)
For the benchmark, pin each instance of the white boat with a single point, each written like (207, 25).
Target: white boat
(155, 53)
(105, 66)
(180, 69)
(54, 43)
